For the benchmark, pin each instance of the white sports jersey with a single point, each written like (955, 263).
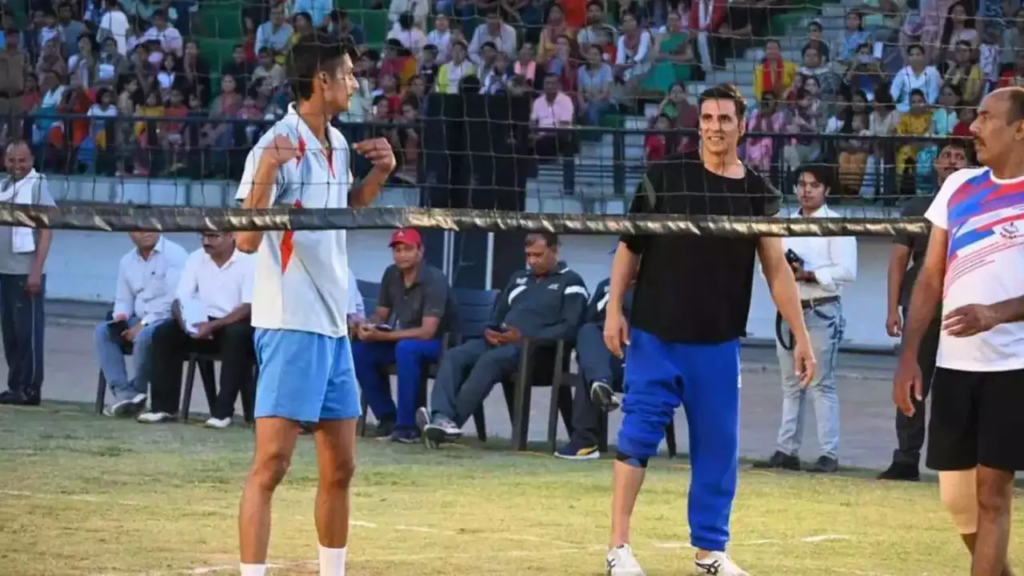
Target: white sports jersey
(302, 275)
(984, 217)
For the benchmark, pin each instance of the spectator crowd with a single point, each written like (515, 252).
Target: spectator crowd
(73, 69)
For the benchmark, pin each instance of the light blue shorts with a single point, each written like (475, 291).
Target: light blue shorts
(305, 377)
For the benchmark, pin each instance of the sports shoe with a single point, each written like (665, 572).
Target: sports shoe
(602, 395)
(718, 564)
(576, 450)
(385, 427)
(154, 417)
(780, 460)
(405, 436)
(824, 465)
(621, 562)
(126, 408)
(218, 423)
(436, 430)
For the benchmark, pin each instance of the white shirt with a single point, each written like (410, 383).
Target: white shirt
(116, 22)
(833, 259)
(414, 39)
(505, 41)
(170, 39)
(220, 288)
(984, 217)
(146, 288)
(356, 306)
(302, 275)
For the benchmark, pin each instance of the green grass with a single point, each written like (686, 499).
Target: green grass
(81, 494)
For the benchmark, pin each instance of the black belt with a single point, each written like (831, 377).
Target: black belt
(815, 302)
(787, 343)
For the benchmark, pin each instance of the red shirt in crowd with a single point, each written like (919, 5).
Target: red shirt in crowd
(654, 147)
(962, 129)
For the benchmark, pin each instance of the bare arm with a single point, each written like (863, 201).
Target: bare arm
(1011, 310)
(259, 198)
(42, 250)
(782, 285)
(898, 260)
(927, 292)
(624, 267)
(241, 312)
(426, 331)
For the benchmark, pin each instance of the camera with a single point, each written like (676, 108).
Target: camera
(793, 259)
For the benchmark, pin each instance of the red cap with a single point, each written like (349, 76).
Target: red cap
(405, 236)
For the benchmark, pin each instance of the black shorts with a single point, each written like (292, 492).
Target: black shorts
(976, 420)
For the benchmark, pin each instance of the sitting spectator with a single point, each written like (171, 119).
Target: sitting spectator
(546, 301)
(854, 152)
(211, 316)
(563, 63)
(1013, 40)
(110, 64)
(966, 75)
(916, 75)
(683, 114)
(1014, 76)
(269, 69)
(166, 76)
(195, 73)
(414, 311)
(302, 24)
(496, 32)
(915, 122)
(398, 61)
(598, 32)
(966, 117)
(428, 67)
(656, 144)
(765, 119)
(405, 31)
(673, 56)
(594, 87)
(168, 36)
(705, 20)
(51, 61)
(452, 73)
(346, 29)
(865, 71)
(406, 142)
(803, 118)
(239, 68)
(552, 109)
(276, 33)
(172, 134)
(600, 377)
(851, 39)
(814, 40)
(71, 30)
(317, 11)
(390, 89)
(988, 57)
(147, 279)
(498, 76)
(417, 12)
(773, 74)
(488, 54)
(554, 28)
(816, 67)
(633, 55)
(958, 27)
(526, 65)
(84, 64)
(441, 38)
(219, 135)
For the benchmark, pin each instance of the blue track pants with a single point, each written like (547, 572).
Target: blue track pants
(705, 380)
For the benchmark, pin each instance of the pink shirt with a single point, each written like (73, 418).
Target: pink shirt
(550, 114)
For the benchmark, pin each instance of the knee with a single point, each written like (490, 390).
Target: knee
(269, 470)
(407, 351)
(994, 491)
(958, 494)
(238, 334)
(339, 476)
(102, 332)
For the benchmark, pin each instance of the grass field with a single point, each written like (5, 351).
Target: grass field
(81, 494)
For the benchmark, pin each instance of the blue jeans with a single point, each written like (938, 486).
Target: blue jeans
(111, 359)
(825, 324)
(595, 109)
(411, 357)
(705, 380)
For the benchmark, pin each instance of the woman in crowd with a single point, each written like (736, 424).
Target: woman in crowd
(195, 72)
(554, 28)
(854, 152)
(958, 27)
(852, 38)
(563, 63)
(673, 56)
(916, 122)
(85, 64)
(773, 74)
(634, 55)
(765, 119)
(595, 82)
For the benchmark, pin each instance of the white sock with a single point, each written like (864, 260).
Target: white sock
(253, 569)
(332, 561)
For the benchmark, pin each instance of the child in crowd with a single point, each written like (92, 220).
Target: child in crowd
(429, 66)
(441, 39)
(656, 144)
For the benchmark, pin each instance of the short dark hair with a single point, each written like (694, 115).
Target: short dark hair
(810, 46)
(595, 3)
(550, 239)
(315, 52)
(820, 173)
(915, 46)
(724, 92)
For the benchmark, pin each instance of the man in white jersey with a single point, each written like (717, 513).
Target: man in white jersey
(974, 266)
(300, 300)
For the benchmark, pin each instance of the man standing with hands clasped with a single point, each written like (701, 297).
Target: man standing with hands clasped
(974, 267)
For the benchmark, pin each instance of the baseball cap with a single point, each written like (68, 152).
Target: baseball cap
(405, 236)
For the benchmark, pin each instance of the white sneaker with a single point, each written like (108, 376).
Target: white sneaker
(139, 402)
(154, 417)
(621, 562)
(218, 423)
(718, 564)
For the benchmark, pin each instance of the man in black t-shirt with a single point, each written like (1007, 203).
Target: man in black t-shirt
(690, 309)
(910, 430)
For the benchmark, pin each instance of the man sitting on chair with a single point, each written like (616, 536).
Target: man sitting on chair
(413, 311)
(211, 316)
(545, 301)
(146, 280)
(600, 375)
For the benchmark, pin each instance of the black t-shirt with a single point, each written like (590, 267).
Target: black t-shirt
(696, 289)
(918, 244)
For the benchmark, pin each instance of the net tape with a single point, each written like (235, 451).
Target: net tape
(178, 219)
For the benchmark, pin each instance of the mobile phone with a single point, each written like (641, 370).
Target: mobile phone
(497, 327)
(382, 328)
